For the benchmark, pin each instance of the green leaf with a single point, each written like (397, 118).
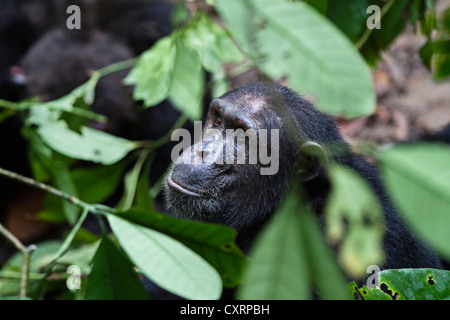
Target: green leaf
(278, 268)
(152, 74)
(47, 164)
(349, 16)
(214, 243)
(353, 205)
(167, 262)
(186, 92)
(319, 5)
(409, 284)
(96, 184)
(212, 42)
(90, 145)
(237, 15)
(418, 180)
(325, 274)
(45, 253)
(392, 24)
(83, 95)
(112, 276)
(364, 293)
(290, 256)
(297, 43)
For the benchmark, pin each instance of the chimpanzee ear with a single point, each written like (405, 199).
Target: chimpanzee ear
(313, 157)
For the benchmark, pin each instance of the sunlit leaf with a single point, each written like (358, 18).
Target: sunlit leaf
(167, 262)
(214, 243)
(186, 92)
(90, 145)
(152, 75)
(418, 180)
(278, 268)
(353, 205)
(293, 41)
(408, 284)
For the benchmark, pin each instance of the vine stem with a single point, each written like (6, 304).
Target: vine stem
(26, 252)
(47, 188)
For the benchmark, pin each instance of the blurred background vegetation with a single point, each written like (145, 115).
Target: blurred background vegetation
(90, 112)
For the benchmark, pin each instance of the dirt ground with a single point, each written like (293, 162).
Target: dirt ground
(409, 102)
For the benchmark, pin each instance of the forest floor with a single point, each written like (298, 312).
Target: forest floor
(409, 102)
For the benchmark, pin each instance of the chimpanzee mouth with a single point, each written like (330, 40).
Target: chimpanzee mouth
(174, 185)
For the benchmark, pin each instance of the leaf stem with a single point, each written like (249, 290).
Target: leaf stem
(118, 66)
(47, 188)
(68, 241)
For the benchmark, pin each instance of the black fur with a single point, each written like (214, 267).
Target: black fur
(248, 206)
(64, 59)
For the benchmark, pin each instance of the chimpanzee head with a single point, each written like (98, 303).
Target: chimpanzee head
(253, 140)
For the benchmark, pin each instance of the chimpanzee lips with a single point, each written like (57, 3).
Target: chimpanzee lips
(175, 185)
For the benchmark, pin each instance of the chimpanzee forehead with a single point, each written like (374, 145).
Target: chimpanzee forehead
(246, 103)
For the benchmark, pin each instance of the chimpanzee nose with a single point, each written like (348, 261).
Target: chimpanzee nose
(189, 176)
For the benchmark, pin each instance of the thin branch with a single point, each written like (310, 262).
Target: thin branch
(47, 188)
(26, 253)
(68, 241)
(11, 238)
(118, 66)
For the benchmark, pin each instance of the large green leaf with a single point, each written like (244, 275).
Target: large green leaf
(290, 257)
(214, 46)
(213, 43)
(112, 276)
(354, 221)
(325, 274)
(167, 262)
(186, 92)
(349, 16)
(408, 284)
(418, 179)
(45, 253)
(297, 43)
(278, 268)
(90, 144)
(213, 242)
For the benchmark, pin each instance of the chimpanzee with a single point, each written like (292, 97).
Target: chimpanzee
(238, 195)
(139, 23)
(64, 59)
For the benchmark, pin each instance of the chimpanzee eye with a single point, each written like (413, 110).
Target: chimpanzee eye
(217, 120)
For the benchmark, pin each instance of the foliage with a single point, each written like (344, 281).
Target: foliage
(420, 186)
(435, 53)
(320, 48)
(407, 284)
(289, 256)
(293, 41)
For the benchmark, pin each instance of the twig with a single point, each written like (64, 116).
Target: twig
(26, 252)
(47, 188)
(68, 241)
